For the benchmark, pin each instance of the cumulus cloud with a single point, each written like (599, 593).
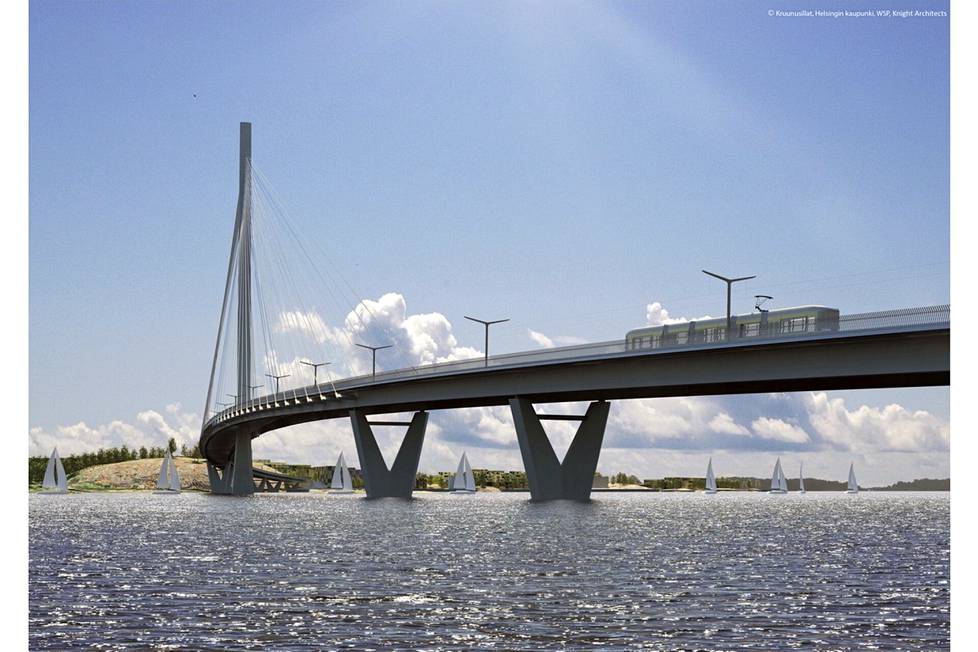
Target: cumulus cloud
(415, 339)
(779, 430)
(723, 423)
(151, 429)
(657, 315)
(891, 428)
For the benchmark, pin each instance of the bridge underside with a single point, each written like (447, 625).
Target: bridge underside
(903, 359)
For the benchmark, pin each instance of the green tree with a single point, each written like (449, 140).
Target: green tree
(143, 453)
(172, 445)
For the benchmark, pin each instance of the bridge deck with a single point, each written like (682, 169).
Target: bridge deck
(903, 355)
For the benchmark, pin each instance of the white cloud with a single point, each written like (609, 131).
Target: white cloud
(723, 423)
(540, 339)
(780, 430)
(891, 428)
(549, 342)
(151, 429)
(657, 315)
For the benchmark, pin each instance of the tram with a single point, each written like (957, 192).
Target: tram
(770, 323)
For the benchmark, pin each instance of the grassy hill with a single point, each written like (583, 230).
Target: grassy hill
(142, 474)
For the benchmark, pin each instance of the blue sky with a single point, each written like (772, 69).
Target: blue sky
(564, 165)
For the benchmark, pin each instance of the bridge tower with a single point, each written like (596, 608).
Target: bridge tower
(236, 478)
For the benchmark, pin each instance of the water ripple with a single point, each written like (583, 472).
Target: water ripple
(490, 572)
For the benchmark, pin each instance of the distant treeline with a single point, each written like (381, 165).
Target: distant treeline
(923, 484)
(75, 463)
(811, 484)
(483, 477)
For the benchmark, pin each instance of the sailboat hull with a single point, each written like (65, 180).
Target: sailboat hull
(777, 491)
(710, 492)
(166, 492)
(462, 492)
(339, 491)
(53, 491)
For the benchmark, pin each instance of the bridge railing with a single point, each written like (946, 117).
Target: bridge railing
(935, 316)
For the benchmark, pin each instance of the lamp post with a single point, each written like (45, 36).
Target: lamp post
(277, 378)
(487, 324)
(235, 397)
(729, 282)
(315, 369)
(373, 351)
(252, 389)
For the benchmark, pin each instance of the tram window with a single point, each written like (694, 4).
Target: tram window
(796, 325)
(682, 338)
(714, 334)
(750, 330)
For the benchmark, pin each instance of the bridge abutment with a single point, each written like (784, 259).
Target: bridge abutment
(378, 480)
(549, 478)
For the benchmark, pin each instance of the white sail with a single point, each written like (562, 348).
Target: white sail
(469, 476)
(62, 476)
(783, 480)
(711, 483)
(801, 478)
(174, 476)
(853, 485)
(776, 476)
(342, 481)
(163, 482)
(458, 480)
(49, 480)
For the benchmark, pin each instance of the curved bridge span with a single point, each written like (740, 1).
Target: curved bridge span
(874, 356)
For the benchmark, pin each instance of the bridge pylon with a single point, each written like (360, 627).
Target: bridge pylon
(236, 477)
(548, 477)
(378, 480)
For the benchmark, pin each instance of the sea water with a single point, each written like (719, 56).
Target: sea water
(669, 571)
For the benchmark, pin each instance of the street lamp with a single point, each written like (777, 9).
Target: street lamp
(235, 397)
(487, 324)
(729, 282)
(253, 388)
(373, 351)
(277, 378)
(315, 369)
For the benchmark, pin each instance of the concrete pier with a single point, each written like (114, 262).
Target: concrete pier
(378, 480)
(550, 479)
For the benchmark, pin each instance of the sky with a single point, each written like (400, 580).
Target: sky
(571, 166)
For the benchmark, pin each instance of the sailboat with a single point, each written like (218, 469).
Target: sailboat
(779, 484)
(711, 482)
(169, 480)
(853, 487)
(55, 480)
(342, 482)
(801, 478)
(463, 481)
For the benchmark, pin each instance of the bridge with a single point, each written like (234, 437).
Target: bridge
(898, 348)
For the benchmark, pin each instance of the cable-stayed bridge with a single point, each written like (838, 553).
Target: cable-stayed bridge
(267, 329)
